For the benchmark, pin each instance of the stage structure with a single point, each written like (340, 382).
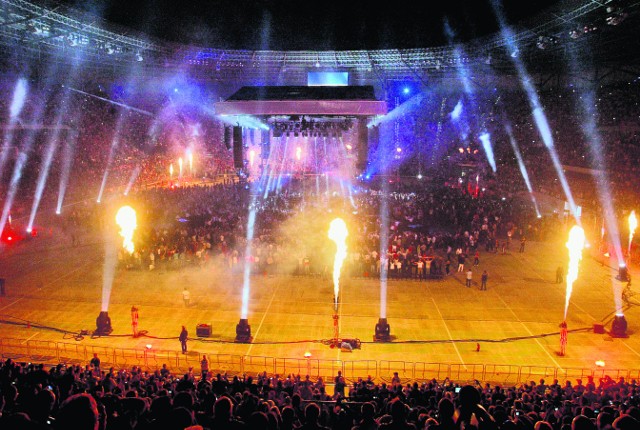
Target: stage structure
(304, 130)
(301, 116)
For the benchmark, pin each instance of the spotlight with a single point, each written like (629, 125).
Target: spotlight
(419, 176)
(619, 326)
(103, 324)
(243, 331)
(383, 331)
(623, 273)
(406, 90)
(515, 53)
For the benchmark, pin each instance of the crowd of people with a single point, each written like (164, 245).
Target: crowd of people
(90, 397)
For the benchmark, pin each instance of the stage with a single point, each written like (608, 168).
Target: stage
(436, 326)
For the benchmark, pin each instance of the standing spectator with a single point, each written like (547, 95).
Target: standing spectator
(184, 335)
(469, 278)
(483, 283)
(204, 366)
(134, 320)
(186, 296)
(476, 258)
(311, 415)
(80, 412)
(95, 362)
(563, 338)
(460, 262)
(523, 240)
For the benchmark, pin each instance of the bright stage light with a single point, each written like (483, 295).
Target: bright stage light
(600, 363)
(406, 90)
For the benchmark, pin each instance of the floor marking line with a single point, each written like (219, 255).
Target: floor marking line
(449, 333)
(264, 315)
(530, 333)
(29, 338)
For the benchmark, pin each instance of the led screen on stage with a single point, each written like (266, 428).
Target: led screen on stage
(327, 79)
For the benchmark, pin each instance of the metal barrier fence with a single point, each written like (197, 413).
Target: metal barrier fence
(53, 353)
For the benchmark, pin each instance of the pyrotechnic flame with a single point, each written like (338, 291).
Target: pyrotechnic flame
(298, 153)
(180, 166)
(575, 245)
(633, 223)
(126, 219)
(190, 158)
(338, 233)
(171, 169)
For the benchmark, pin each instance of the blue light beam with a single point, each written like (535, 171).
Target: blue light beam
(485, 138)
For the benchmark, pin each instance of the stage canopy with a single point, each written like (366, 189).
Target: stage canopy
(300, 100)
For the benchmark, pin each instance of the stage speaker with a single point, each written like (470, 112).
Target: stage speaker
(598, 329)
(238, 156)
(203, 330)
(227, 137)
(362, 154)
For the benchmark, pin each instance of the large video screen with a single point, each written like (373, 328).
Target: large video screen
(327, 79)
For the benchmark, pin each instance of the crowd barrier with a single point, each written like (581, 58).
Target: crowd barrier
(53, 353)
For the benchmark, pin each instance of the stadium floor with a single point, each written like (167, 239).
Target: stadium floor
(436, 325)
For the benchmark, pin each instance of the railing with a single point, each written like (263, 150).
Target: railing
(53, 353)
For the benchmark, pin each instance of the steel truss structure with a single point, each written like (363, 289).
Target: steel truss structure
(49, 31)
